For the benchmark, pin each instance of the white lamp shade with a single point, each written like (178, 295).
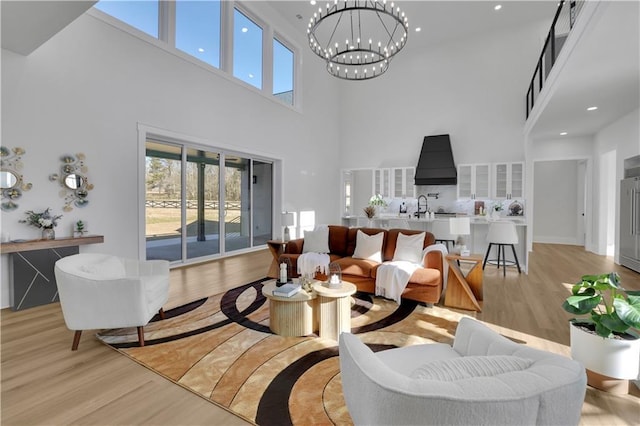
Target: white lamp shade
(460, 225)
(287, 219)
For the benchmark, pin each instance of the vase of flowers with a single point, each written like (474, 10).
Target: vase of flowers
(45, 221)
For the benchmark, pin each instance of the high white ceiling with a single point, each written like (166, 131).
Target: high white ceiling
(27, 24)
(604, 70)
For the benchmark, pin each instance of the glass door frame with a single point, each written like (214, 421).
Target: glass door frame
(185, 142)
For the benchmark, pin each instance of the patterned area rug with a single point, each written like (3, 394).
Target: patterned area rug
(221, 348)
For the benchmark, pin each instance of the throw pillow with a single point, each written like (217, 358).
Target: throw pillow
(316, 241)
(109, 268)
(409, 247)
(369, 246)
(470, 366)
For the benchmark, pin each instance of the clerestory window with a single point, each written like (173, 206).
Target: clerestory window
(248, 50)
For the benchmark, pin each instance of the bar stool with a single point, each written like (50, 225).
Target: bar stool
(501, 234)
(442, 233)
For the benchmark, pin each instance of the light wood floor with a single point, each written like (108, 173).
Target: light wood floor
(43, 382)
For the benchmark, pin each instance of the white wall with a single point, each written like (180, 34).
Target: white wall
(555, 202)
(88, 87)
(623, 137)
(473, 90)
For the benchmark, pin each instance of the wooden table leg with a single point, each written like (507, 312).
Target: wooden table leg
(276, 248)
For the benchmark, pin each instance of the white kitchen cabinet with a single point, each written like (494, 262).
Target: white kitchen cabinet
(382, 182)
(403, 179)
(474, 181)
(509, 180)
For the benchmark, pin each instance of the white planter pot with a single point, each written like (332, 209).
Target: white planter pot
(616, 358)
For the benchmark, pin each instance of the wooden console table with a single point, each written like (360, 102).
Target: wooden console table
(31, 274)
(464, 292)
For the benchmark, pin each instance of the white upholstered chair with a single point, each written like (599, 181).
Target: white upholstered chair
(502, 233)
(422, 384)
(100, 291)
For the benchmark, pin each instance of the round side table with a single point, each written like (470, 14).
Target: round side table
(290, 316)
(334, 309)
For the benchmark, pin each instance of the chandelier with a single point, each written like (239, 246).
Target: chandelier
(357, 38)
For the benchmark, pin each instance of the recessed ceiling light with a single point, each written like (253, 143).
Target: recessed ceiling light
(563, 133)
(245, 29)
(593, 108)
(497, 7)
(418, 29)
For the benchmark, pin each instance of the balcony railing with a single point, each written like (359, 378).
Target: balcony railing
(563, 22)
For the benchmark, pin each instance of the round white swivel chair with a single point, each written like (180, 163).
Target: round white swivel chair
(501, 234)
(103, 291)
(441, 230)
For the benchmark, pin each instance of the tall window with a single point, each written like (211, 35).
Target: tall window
(163, 205)
(185, 218)
(282, 72)
(142, 15)
(198, 30)
(202, 203)
(247, 50)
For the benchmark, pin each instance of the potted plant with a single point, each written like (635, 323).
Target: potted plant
(45, 221)
(605, 342)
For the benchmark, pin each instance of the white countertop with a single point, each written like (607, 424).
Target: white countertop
(475, 220)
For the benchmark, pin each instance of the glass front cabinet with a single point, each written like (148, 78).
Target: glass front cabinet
(508, 180)
(473, 181)
(382, 182)
(403, 182)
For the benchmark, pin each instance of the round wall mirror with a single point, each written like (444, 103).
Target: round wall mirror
(74, 181)
(7, 179)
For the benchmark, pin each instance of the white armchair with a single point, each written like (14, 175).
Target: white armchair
(102, 291)
(484, 378)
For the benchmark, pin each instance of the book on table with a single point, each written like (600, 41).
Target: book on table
(287, 290)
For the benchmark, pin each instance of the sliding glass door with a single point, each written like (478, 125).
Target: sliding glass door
(163, 197)
(191, 201)
(202, 203)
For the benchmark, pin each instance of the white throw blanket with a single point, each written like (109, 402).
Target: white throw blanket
(392, 277)
(445, 267)
(309, 263)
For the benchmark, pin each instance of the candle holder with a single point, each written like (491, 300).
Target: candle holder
(287, 276)
(334, 278)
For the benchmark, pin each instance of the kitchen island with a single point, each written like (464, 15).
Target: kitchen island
(476, 242)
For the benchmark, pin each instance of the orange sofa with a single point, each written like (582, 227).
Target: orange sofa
(425, 285)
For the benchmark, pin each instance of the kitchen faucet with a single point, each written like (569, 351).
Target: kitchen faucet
(426, 207)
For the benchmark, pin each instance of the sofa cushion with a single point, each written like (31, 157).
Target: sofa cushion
(338, 236)
(357, 267)
(316, 241)
(409, 247)
(369, 247)
(352, 238)
(392, 238)
(466, 367)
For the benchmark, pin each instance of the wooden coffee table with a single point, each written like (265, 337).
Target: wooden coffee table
(334, 309)
(291, 316)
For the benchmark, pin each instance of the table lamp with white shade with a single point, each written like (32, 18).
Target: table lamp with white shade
(287, 221)
(460, 226)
